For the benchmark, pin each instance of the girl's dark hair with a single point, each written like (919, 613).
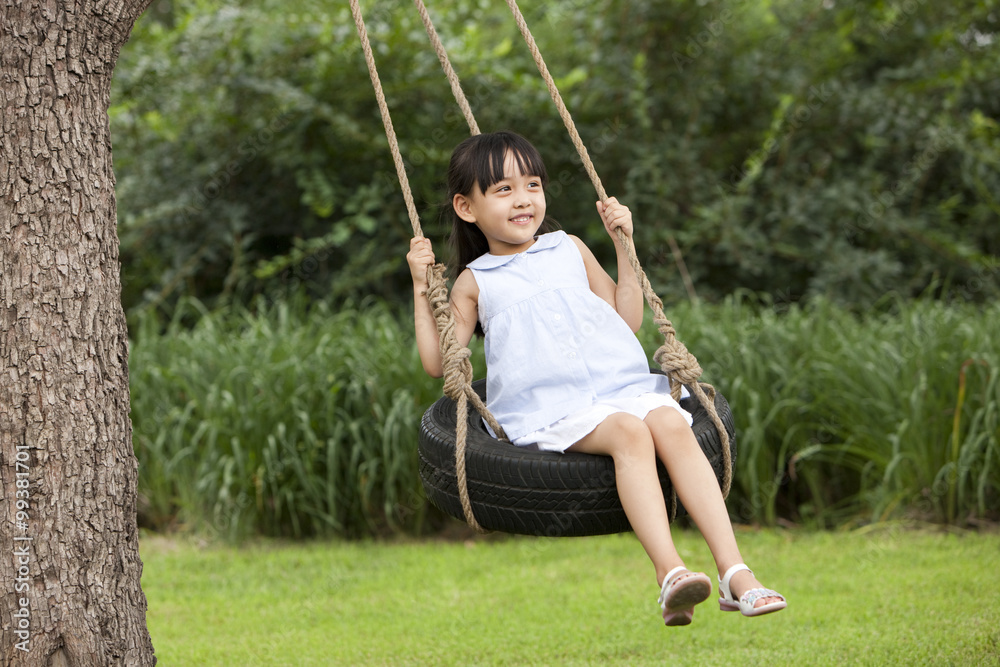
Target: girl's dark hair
(478, 161)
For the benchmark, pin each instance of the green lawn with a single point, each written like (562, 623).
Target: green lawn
(887, 595)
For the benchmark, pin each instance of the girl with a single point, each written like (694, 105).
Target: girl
(566, 372)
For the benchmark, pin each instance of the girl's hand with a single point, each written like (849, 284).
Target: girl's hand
(421, 256)
(615, 216)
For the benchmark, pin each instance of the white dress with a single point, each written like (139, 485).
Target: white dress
(559, 358)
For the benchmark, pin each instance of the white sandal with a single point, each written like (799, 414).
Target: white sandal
(745, 605)
(681, 591)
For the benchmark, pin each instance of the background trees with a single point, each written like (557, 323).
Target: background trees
(842, 148)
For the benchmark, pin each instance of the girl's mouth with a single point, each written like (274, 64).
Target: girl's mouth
(522, 219)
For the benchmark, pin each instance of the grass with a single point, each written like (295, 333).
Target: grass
(846, 417)
(882, 595)
(280, 423)
(291, 421)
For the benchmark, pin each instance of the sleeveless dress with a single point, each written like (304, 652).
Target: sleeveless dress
(559, 358)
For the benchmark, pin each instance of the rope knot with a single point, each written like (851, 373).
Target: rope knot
(680, 366)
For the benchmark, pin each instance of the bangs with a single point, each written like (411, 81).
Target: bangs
(494, 148)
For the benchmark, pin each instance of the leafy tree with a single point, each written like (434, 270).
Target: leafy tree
(842, 148)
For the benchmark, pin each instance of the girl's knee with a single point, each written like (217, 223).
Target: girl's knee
(671, 426)
(632, 436)
(667, 417)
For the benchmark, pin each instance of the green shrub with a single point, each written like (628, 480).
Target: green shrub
(844, 150)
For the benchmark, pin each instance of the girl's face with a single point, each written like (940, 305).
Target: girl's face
(509, 213)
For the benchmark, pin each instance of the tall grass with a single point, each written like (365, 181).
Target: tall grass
(280, 422)
(847, 417)
(296, 421)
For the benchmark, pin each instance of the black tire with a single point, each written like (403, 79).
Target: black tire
(514, 490)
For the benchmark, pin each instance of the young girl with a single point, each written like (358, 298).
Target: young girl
(565, 370)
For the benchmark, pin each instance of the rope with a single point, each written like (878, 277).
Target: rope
(383, 108)
(449, 71)
(455, 358)
(557, 98)
(673, 357)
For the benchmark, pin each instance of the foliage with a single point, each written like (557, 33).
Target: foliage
(824, 149)
(846, 418)
(281, 422)
(843, 149)
(291, 421)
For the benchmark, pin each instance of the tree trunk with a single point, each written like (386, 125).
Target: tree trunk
(70, 567)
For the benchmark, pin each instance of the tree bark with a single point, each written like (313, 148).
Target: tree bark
(69, 550)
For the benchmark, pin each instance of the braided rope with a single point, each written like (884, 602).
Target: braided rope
(543, 69)
(383, 108)
(455, 358)
(673, 357)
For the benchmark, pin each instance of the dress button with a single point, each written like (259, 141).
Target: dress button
(541, 282)
(557, 317)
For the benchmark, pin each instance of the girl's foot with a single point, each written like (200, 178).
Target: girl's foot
(740, 590)
(681, 591)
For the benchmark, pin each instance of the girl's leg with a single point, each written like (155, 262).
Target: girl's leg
(698, 488)
(628, 441)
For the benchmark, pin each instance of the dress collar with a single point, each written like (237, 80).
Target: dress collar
(543, 242)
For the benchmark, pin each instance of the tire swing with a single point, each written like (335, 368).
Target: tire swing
(488, 482)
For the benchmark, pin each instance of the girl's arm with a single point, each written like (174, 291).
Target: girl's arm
(625, 296)
(464, 302)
